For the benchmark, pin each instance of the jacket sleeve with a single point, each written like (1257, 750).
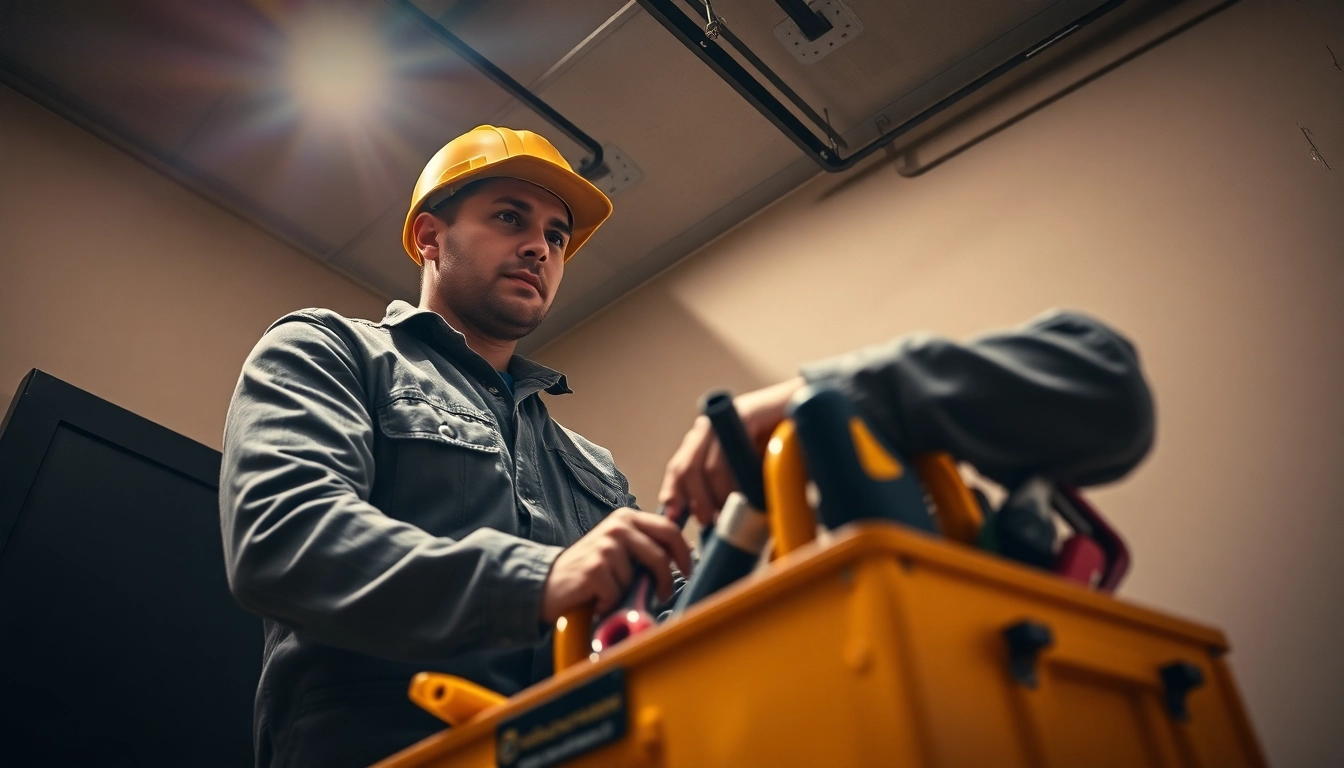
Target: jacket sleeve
(303, 545)
(1062, 397)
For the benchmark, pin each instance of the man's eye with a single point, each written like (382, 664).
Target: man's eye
(509, 217)
(557, 238)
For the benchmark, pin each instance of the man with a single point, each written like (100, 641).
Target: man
(394, 496)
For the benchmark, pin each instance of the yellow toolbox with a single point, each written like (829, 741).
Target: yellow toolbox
(880, 645)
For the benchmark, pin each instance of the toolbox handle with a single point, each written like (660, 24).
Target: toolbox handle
(573, 638)
(792, 521)
(451, 699)
(959, 515)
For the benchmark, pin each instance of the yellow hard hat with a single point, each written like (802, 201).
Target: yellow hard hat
(486, 151)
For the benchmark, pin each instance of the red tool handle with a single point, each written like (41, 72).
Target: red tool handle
(1117, 554)
(629, 618)
(632, 615)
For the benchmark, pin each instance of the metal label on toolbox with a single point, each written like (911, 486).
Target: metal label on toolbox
(572, 724)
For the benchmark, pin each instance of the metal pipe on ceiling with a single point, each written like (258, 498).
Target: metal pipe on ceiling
(591, 168)
(703, 45)
(716, 27)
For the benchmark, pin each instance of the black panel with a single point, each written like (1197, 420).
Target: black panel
(119, 641)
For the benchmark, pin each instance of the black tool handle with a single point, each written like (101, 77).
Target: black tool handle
(721, 564)
(826, 421)
(742, 457)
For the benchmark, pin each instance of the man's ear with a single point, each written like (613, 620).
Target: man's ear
(425, 236)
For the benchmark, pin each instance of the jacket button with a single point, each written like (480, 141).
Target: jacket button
(447, 431)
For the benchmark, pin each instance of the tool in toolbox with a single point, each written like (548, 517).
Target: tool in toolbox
(912, 650)
(855, 474)
(1087, 521)
(857, 477)
(734, 545)
(1081, 557)
(863, 478)
(731, 548)
(634, 613)
(1023, 529)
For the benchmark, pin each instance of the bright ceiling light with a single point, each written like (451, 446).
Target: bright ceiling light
(337, 67)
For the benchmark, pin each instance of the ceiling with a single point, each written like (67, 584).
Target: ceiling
(200, 90)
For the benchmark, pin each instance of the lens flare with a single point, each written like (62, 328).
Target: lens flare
(337, 67)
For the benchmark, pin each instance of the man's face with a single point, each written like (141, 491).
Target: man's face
(501, 258)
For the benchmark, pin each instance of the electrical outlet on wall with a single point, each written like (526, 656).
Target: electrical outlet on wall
(845, 26)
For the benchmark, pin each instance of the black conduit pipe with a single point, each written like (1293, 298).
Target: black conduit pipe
(591, 168)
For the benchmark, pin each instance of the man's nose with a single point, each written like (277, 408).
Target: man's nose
(534, 246)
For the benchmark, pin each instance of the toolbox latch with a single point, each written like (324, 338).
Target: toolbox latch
(1026, 639)
(1178, 680)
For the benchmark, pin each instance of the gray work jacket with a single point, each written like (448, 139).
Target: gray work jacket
(388, 507)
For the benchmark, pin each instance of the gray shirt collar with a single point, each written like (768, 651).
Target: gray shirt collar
(528, 375)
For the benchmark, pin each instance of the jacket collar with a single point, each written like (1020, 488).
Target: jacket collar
(528, 375)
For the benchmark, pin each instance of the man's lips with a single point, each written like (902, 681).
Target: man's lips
(526, 277)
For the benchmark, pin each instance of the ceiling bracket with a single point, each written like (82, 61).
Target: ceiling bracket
(810, 23)
(718, 28)
(713, 24)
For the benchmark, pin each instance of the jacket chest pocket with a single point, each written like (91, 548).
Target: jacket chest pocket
(446, 472)
(591, 493)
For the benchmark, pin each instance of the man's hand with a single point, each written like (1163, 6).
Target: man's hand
(698, 474)
(599, 567)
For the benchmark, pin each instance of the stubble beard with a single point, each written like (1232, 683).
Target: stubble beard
(478, 303)
(493, 316)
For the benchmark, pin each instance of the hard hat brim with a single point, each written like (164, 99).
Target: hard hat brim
(588, 206)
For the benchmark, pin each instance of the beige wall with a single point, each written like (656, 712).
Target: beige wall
(124, 283)
(1176, 198)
